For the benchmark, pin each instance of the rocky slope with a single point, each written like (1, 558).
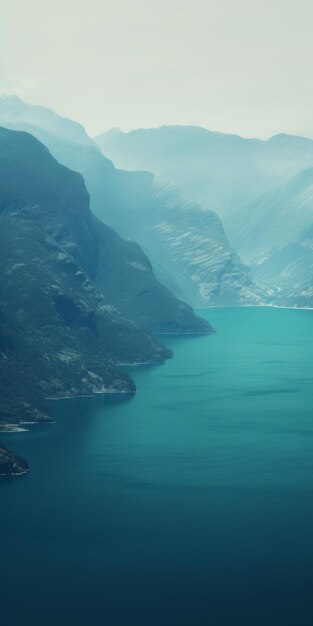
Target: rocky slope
(62, 276)
(275, 237)
(187, 246)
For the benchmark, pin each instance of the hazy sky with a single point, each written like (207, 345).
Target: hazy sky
(241, 66)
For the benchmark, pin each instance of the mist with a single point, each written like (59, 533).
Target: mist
(239, 67)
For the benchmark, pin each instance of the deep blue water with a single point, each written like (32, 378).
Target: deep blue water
(190, 504)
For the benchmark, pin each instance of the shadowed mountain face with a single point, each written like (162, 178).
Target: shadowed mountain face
(67, 283)
(187, 246)
(275, 237)
(221, 172)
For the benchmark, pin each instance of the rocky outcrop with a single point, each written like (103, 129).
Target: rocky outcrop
(11, 464)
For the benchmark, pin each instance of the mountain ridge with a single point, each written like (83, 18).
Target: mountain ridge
(138, 208)
(222, 172)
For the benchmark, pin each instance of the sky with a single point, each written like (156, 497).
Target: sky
(239, 66)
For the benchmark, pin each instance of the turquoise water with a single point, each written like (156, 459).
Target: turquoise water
(189, 505)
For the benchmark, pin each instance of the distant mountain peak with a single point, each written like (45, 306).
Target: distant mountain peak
(114, 131)
(283, 138)
(14, 110)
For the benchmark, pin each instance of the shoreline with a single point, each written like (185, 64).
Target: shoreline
(93, 395)
(6, 429)
(12, 428)
(253, 306)
(14, 475)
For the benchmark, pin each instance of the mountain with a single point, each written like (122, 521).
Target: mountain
(274, 235)
(262, 189)
(187, 245)
(221, 172)
(13, 109)
(76, 300)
